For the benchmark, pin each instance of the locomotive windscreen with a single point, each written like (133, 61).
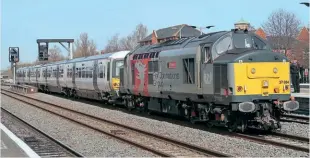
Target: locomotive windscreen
(248, 41)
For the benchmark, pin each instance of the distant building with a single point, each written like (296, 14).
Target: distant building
(170, 33)
(299, 43)
(242, 24)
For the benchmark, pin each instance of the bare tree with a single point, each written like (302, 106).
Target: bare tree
(131, 41)
(55, 54)
(84, 46)
(283, 27)
(113, 45)
(127, 43)
(251, 28)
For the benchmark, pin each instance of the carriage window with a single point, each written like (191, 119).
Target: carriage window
(69, 73)
(100, 71)
(104, 71)
(61, 72)
(108, 72)
(90, 72)
(54, 72)
(38, 73)
(77, 73)
(80, 73)
(83, 72)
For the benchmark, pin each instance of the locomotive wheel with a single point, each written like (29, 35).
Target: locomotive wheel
(209, 124)
(242, 127)
(129, 105)
(232, 127)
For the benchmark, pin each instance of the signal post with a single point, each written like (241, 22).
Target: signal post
(14, 58)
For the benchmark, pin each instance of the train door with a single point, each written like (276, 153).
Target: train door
(102, 75)
(37, 73)
(206, 70)
(95, 75)
(74, 73)
(45, 76)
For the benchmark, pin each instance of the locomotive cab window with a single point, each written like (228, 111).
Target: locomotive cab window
(207, 56)
(258, 44)
(242, 40)
(223, 45)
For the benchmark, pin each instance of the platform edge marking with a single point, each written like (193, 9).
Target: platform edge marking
(19, 142)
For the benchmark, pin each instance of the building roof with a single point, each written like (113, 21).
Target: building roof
(260, 32)
(242, 21)
(187, 31)
(304, 34)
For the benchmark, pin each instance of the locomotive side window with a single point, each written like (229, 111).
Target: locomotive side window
(208, 55)
(189, 71)
(152, 68)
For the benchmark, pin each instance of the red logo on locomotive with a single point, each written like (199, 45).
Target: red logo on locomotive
(140, 67)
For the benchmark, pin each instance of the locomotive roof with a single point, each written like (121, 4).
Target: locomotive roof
(180, 43)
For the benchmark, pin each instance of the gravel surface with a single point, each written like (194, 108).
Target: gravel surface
(231, 146)
(295, 129)
(86, 141)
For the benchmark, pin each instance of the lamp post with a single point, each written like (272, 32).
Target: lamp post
(305, 3)
(201, 28)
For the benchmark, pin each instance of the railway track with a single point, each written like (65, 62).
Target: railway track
(38, 141)
(279, 139)
(295, 118)
(157, 144)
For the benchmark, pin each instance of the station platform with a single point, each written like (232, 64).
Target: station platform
(304, 93)
(12, 146)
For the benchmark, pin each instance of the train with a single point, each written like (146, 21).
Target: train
(225, 78)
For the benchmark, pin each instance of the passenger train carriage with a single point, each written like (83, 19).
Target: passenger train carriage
(226, 78)
(95, 77)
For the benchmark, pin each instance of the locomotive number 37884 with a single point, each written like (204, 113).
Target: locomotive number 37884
(284, 82)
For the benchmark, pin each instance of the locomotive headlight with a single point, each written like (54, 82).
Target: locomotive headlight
(253, 70)
(265, 83)
(275, 70)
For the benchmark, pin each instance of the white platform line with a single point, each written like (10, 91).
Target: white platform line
(19, 142)
(3, 146)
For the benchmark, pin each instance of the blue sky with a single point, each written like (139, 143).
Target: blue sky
(23, 21)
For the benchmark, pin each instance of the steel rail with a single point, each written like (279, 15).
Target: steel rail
(176, 142)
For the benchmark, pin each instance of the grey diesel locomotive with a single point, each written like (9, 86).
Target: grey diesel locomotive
(226, 78)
